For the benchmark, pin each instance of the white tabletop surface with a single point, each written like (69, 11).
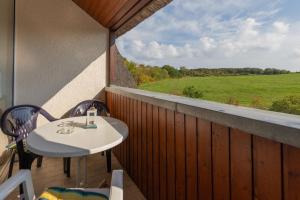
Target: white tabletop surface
(46, 140)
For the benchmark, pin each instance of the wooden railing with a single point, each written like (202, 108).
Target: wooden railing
(188, 149)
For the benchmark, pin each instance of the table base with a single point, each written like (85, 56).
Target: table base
(81, 176)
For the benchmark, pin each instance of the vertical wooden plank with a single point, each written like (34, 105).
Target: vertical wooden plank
(149, 152)
(220, 156)
(144, 148)
(135, 141)
(241, 165)
(128, 138)
(291, 172)
(118, 117)
(267, 169)
(180, 156)
(171, 155)
(131, 136)
(108, 100)
(204, 160)
(125, 142)
(156, 183)
(121, 118)
(191, 157)
(139, 140)
(163, 153)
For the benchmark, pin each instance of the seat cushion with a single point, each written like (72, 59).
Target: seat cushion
(60, 193)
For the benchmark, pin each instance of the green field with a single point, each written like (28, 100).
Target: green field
(246, 89)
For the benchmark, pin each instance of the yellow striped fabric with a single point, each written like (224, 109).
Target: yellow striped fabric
(59, 193)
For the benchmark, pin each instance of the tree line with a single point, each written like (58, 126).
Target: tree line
(145, 73)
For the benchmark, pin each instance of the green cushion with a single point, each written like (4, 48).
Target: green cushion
(60, 193)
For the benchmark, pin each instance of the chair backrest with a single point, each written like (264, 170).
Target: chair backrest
(116, 187)
(82, 108)
(19, 121)
(24, 177)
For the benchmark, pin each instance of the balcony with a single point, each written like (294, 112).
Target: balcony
(177, 148)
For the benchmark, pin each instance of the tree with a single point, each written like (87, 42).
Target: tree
(172, 71)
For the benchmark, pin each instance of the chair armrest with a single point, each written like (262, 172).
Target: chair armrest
(116, 188)
(22, 177)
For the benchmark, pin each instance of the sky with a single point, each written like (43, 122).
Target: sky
(218, 33)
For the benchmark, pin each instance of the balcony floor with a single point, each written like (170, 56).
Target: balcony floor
(51, 174)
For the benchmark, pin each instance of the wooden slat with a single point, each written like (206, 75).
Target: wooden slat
(149, 152)
(220, 157)
(123, 144)
(291, 172)
(171, 155)
(163, 153)
(156, 183)
(135, 142)
(241, 165)
(122, 12)
(191, 157)
(144, 148)
(141, 4)
(204, 160)
(139, 144)
(122, 118)
(104, 10)
(267, 169)
(180, 156)
(131, 136)
(128, 139)
(118, 116)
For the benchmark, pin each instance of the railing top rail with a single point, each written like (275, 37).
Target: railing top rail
(280, 127)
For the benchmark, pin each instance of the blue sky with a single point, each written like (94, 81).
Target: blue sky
(218, 33)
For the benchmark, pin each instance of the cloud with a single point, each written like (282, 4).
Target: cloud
(222, 33)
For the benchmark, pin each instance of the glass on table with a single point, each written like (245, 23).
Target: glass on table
(66, 127)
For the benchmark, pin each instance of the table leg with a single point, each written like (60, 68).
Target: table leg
(81, 177)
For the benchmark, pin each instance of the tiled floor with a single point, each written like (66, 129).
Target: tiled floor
(51, 174)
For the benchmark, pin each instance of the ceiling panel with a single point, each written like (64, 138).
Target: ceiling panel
(108, 12)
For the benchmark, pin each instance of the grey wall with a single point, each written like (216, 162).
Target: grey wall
(6, 72)
(6, 52)
(60, 55)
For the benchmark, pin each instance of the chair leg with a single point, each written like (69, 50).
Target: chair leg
(24, 164)
(108, 160)
(39, 162)
(11, 165)
(67, 166)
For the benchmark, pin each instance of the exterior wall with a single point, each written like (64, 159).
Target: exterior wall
(6, 73)
(60, 54)
(6, 53)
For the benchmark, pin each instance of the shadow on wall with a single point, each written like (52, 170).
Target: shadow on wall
(60, 55)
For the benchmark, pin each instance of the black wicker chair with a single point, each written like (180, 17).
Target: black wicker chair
(81, 110)
(17, 122)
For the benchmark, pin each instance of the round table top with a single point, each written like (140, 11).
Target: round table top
(47, 141)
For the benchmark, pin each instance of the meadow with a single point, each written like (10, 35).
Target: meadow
(249, 90)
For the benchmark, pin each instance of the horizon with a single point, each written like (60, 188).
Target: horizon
(239, 33)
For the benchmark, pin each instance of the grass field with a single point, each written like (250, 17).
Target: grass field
(246, 89)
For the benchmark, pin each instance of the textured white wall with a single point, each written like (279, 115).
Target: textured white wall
(60, 55)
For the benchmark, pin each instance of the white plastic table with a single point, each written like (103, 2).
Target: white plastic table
(47, 141)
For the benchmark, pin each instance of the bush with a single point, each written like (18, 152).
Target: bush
(193, 92)
(289, 104)
(256, 102)
(233, 101)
